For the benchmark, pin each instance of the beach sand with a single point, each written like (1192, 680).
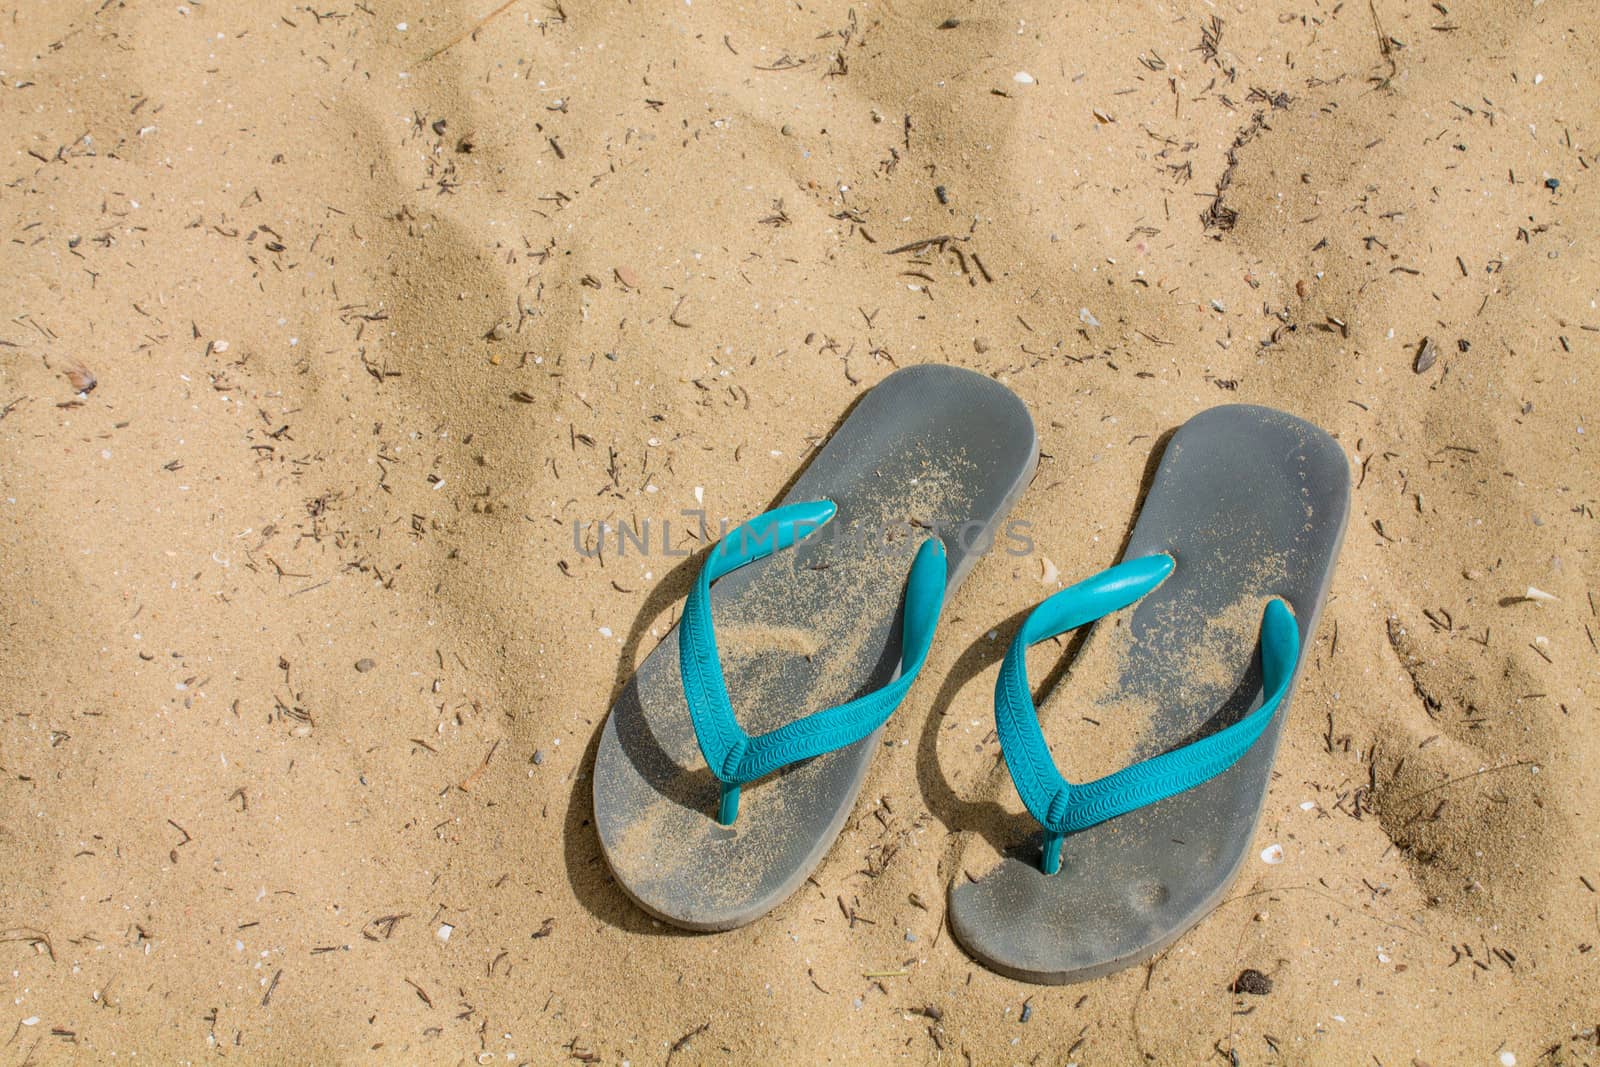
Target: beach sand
(303, 671)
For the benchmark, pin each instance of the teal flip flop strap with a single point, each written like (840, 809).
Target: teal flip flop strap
(1063, 807)
(736, 757)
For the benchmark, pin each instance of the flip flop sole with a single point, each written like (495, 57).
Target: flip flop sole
(1252, 504)
(930, 447)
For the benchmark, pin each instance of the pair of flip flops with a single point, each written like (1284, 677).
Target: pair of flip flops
(825, 609)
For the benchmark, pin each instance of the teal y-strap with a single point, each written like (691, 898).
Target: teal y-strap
(733, 755)
(1063, 807)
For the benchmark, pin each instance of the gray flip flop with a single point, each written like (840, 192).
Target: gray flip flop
(1241, 528)
(916, 483)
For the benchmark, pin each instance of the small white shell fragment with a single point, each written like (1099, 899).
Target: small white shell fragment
(1307, 805)
(1508, 1059)
(1022, 77)
(1535, 593)
(1086, 317)
(605, 631)
(1049, 571)
(445, 930)
(1272, 854)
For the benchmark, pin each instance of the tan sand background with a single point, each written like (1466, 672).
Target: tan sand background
(371, 326)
